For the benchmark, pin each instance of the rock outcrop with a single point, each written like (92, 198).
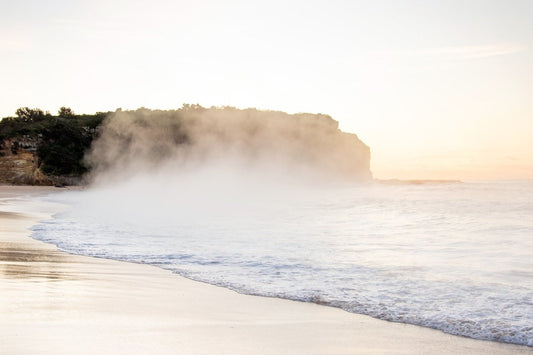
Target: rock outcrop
(300, 145)
(19, 165)
(305, 145)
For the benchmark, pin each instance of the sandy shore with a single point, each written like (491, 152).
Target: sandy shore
(55, 303)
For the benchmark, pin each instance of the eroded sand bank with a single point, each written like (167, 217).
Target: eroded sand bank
(55, 303)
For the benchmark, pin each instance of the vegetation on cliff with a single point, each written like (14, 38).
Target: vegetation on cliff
(299, 146)
(60, 141)
(68, 144)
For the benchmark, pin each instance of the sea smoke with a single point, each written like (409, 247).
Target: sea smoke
(250, 141)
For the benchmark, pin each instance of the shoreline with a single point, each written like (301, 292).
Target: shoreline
(55, 302)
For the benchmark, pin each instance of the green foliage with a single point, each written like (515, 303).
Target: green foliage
(65, 112)
(62, 139)
(62, 148)
(26, 114)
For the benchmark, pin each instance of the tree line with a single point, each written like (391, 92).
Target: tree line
(62, 139)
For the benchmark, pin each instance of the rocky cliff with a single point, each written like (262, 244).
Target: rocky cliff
(19, 165)
(302, 145)
(50, 151)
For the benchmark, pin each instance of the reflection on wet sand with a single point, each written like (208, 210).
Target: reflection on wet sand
(24, 261)
(10, 215)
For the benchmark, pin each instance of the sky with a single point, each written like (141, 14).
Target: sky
(437, 89)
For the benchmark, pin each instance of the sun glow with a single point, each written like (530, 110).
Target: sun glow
(434, 93)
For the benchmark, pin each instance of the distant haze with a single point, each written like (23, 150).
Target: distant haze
(437, 89)
(227, 143)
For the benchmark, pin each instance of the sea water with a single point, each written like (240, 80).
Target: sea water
(455, 257)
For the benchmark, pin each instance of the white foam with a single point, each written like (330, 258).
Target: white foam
(452, 257)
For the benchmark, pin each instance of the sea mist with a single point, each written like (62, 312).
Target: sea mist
(272, 204)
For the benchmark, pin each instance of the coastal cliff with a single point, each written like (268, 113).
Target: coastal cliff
(20, 165)
(299, 145)
(40, 149)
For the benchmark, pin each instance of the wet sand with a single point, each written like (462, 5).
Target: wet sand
(52, 302)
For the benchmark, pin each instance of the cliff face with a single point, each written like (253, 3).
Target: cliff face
(143, 141)
(19, 165)
(299, 144)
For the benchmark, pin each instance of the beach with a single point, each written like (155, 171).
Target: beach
(52, 302)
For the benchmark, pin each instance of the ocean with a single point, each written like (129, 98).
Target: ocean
(456, 257)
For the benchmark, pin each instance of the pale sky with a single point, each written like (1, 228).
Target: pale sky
(437, 89)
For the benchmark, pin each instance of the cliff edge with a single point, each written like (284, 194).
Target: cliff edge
(40, 149)
(301, 145)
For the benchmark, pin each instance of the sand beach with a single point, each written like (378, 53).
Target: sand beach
(52, 302)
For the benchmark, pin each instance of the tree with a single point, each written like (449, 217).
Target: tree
(65, 112)
(62, 148)
(26, 114)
